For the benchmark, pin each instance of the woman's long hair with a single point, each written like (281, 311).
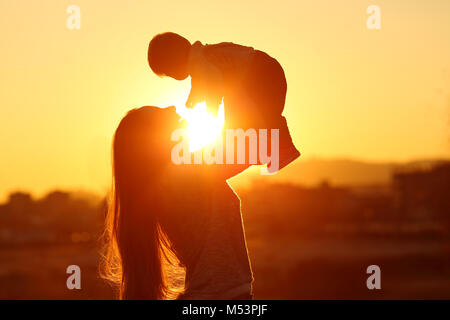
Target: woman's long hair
(135, 245)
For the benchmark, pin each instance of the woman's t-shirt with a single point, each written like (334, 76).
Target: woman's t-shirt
(204, 223)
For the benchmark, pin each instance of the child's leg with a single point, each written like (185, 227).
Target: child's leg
(266, 87)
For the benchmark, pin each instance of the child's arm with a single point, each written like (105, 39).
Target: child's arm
(206, 80)
(205, 88)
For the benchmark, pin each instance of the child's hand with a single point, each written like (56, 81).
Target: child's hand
(193, 99)
(212, 103)
(204, 93)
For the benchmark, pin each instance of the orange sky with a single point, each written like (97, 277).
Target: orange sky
(352, 92)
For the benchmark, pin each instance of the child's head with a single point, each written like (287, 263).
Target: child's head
(168, 55)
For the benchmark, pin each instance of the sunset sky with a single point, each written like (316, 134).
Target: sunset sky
(375, 95)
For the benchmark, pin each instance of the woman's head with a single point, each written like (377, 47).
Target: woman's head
(134, 240)
(168, 55)
(141, 147)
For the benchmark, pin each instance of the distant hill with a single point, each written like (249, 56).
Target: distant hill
(334, 171)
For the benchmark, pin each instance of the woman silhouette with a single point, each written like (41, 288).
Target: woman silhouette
(160, 210)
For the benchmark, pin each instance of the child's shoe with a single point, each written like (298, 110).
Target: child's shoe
(287, 151)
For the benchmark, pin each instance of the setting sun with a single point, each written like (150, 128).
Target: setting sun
(203, 128)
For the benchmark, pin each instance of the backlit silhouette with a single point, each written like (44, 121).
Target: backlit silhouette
(251, 84)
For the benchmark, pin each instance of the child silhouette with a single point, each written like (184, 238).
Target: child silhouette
(251, 83)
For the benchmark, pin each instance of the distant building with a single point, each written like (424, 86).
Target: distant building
(423, 194)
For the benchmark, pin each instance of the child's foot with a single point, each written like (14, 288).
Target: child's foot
(287, 150)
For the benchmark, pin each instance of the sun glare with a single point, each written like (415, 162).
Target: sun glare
(203, 128)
